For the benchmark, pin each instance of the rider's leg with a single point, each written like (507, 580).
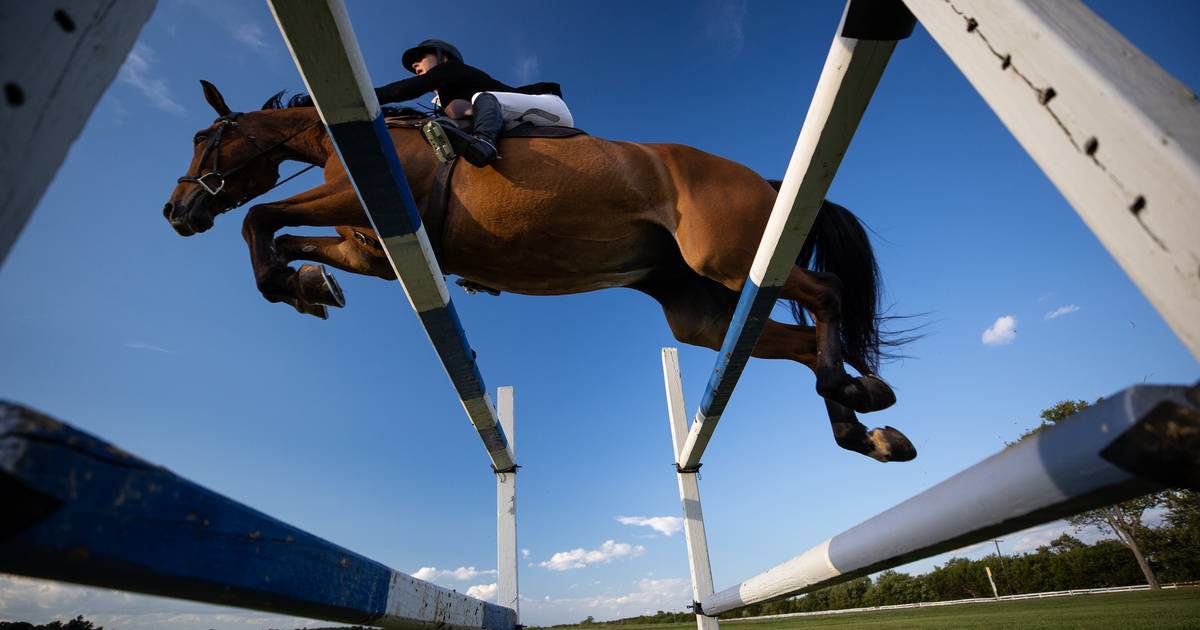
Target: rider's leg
(478, 147)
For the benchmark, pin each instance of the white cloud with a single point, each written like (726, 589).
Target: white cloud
(524, 553)
(580, 558)
(666, 525)
(136, 71)
(649, 597)
(1003, 332)
(725, 21)
(527, 68)
(250, 34)
(1062, 310)
(483, 591)
(462, 574)
(42, 601)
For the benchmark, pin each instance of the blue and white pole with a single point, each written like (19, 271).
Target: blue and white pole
(326, 52)
(81, 510)
(852, 70)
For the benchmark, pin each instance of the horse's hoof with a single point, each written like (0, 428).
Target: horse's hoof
(318, 286)
(878, 394)
(316, 310)
(863, 394)
(890, 445)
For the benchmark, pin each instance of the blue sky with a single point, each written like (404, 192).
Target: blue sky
(349, 428)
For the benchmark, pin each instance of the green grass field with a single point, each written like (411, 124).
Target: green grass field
(1175, 609)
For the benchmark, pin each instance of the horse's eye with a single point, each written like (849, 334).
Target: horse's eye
(200, 137)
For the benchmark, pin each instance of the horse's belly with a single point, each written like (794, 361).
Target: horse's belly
(550, 266)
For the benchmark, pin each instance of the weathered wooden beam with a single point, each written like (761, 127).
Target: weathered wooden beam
(1117, 135)
(81, 510)
(56, 60)
(326, 52)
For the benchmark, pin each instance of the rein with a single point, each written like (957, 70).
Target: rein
(214, 145)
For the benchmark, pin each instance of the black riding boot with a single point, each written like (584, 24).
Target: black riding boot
(489, 121)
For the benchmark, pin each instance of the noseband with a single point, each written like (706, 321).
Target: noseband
(213, 144)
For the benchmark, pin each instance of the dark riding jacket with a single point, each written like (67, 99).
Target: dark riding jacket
(453, 80)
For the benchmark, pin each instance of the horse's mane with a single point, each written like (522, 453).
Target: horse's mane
(280, 100)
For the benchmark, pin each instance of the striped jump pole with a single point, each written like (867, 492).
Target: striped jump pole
(81, 510)
(323, 45)
(1137, 441)
(867, 34)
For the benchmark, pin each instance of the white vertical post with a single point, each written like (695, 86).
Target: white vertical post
(506, 513)
(689, 491)
(995, 593)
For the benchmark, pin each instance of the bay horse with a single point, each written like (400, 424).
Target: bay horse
(560, 216)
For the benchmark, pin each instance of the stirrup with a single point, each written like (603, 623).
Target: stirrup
(436, 136)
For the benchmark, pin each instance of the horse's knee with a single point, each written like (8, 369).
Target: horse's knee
(257, 220)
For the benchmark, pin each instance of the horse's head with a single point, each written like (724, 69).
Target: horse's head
(229, 166)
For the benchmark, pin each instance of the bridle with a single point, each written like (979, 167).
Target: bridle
(213, 144)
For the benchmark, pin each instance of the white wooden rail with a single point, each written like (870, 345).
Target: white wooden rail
(955, 602)
(1107, 453)
(56, 61)
(1117, 135)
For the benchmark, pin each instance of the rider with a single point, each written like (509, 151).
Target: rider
(463, 91)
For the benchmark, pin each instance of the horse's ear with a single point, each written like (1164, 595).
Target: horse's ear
(214, 98)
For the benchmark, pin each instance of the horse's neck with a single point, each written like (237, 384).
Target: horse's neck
(302, 135)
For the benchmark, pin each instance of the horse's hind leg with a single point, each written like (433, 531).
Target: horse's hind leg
(800, 343)
(820, 294)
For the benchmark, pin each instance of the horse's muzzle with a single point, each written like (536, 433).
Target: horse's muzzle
(185, 220)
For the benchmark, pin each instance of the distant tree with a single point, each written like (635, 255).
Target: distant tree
(891, 587)
(1176, 545)
(1064, 544)
(589, 621)
(1123, 520)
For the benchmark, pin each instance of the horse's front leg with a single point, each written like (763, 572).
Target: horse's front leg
(346, 253)
(323, 206)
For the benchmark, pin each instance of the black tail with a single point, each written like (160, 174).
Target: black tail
(838, 244)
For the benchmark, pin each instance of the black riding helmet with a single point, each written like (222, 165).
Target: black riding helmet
(443, 49)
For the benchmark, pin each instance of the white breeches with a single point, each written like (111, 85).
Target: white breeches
(541, 110)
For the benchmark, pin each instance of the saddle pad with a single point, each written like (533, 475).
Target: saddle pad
(527, 130)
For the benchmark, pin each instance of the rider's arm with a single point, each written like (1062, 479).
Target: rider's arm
(411, 88)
